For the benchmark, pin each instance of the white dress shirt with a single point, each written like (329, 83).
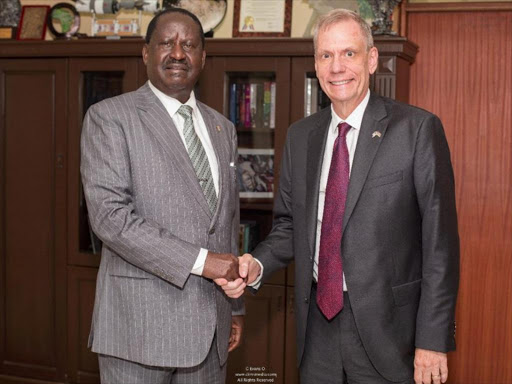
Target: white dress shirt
(172, 105)
(354, 120)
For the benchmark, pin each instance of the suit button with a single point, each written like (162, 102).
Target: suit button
(306, 300)
(212, 231)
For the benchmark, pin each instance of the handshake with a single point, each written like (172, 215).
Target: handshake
(231, 273)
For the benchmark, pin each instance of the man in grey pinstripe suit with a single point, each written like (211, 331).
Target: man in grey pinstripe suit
(159, 175)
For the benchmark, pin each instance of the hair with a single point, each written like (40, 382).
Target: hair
(338, 15)
(153, 23)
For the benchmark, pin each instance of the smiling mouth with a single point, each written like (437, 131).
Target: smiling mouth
(342, 82)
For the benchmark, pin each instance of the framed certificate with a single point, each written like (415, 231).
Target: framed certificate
(254, 18)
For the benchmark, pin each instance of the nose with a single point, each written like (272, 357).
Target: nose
(177, 52)
(338, 65)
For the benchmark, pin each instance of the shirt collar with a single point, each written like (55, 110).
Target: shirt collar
(171, 104)
(355, 118)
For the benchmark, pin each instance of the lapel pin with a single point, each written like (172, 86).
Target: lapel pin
(218, 128)
(376, 133)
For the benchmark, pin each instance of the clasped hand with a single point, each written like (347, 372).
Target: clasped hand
(249, 270)
(221, 266)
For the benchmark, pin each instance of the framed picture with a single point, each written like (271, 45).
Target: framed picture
(63, 21)
(33, 22)
(256, 173)
(253, 18)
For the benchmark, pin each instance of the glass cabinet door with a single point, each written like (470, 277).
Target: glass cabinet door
(253, 92)
(91, 80)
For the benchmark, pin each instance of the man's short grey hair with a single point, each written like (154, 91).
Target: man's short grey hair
(338, 15)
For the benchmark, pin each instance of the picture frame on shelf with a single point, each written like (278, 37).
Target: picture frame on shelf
(33, 22)
(63, 21)
(255, 171)
(256, 18)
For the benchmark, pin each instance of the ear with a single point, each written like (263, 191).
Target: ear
(203, 60)
(373, 60)
(145, 54)
(316, 69)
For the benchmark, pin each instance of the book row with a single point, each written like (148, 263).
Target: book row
(253, 104)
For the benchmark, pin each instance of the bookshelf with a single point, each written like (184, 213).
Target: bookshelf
(62, 265)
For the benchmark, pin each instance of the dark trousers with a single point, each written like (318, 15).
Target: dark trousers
(333, 351)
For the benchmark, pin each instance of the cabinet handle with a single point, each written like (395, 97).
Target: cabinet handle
(279, 303)
(60, 160)
(291, 304)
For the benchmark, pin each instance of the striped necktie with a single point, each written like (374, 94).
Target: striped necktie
(198, 157)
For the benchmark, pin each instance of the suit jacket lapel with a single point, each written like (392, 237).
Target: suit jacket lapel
(157, 120)
(316, 144)
(374, 119)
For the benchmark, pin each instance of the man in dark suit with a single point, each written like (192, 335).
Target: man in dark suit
(366, 208)
(159, 174)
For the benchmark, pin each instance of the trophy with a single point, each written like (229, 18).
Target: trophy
(383, 10)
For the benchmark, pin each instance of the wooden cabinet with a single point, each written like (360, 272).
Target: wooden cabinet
(49, 257)
(33, 232)
(82, 363)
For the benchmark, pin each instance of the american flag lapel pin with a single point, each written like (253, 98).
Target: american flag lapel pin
(376, 133)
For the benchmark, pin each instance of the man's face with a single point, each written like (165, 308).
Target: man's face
(174, 56)
(248, 181)
(343, 65)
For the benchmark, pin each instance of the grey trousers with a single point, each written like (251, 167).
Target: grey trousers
(334, 352)
(118, 371)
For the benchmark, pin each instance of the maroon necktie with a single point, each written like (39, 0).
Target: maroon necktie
(329, 294)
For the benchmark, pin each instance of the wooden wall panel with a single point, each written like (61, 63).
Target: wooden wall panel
(32, 176)
(261, 355)
(463, 73)
(82, 363)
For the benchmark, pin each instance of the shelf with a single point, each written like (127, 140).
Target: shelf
(267, 206)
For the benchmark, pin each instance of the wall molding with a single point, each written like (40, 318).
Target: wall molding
(483, 6)
(459, 7)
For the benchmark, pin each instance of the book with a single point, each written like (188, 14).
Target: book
(266, 104)
(273, 105)
(307, 97)
(310, 96)
(232, 103)
(314, 95)
(248, 236)
(253, 103)
(247, 102)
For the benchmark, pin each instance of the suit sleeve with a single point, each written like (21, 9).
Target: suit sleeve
(434, 183)
(276, 251)
(105, 169)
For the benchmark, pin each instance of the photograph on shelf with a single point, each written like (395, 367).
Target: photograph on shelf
(33, 22)
(256, 173)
